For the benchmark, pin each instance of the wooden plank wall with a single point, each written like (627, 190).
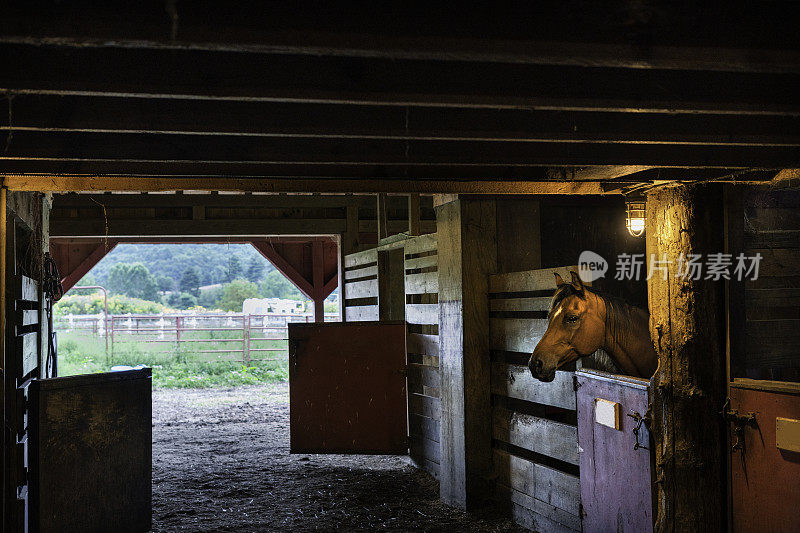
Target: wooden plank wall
(772, 302)
(535, 436)
(361, 286)
(422, 318)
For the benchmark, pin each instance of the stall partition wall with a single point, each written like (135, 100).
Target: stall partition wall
(363, 273)
(763, 413)
(535, 433)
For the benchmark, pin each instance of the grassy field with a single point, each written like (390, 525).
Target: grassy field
(82, 354)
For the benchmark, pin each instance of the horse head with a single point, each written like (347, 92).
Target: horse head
(576, 328)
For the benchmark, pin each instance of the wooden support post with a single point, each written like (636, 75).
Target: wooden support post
(318, 276)
(467, 254)
(350, 241)
(391, 285)
(413, 214)
(688, 389)
(382, 217)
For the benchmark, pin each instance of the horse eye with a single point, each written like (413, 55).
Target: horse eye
(572, 318)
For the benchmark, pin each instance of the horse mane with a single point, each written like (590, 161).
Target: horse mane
(619, 318)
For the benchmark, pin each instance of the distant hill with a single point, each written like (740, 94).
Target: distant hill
(171, 260)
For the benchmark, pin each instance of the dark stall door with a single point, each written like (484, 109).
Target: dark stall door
(765, 464)
(616, 479)
(347, 388)
(91, 453)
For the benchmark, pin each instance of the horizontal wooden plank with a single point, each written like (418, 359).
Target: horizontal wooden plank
(423, 283)
(427, 261)
(420, 244)
(535, 434)
(789, 238)
(516, 334)
(528, 280)
(361, 313)
(422, 447)
(773, 218)
(418, 343)
(546, 484)
(516, 381)
(28, 317)
(425, 406)
(361, 258)
(422, 313)
(777, 262)
(541, 303)
(28, 352)
(28, 289)
(361, 289)
(773, 297)
(424, 375)
(365, 272)
(536, 515)
(422, 426)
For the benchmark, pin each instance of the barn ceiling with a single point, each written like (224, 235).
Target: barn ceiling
(208, 95)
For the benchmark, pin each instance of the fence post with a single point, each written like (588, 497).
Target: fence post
(177, 335)
(112, 336)
(246, 339)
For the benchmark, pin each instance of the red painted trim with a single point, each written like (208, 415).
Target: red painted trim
(277, 260)
(69, 281)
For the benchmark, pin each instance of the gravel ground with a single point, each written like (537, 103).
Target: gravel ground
(221, 462)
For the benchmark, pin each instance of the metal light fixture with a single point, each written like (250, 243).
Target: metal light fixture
(634, 221)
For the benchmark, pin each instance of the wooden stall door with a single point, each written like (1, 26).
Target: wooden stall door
(616, 485)
(765, 466)
(347, 388)
(91, 453)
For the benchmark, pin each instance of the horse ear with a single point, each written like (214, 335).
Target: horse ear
(559, 279)
(577, 283)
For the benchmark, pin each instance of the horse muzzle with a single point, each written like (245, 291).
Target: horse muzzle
(538, 371)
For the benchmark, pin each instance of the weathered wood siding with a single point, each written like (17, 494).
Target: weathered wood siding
(361, 286)
(422, 345)
(769, 340)
(535, 436)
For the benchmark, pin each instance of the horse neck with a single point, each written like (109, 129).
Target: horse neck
(628, 344)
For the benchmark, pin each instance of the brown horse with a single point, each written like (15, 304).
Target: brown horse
(582, 321)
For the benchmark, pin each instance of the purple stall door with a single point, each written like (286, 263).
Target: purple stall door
(616, 484)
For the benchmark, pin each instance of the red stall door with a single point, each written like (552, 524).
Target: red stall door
(347, 388)
(765, 457)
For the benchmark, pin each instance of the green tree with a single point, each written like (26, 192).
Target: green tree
(182, 300)
(165, 283)
(190, 281)
(234, 268)
(87, 280)
(275, 285)
(256, 270)
(209, 298)
(133, 280)
(235, 293)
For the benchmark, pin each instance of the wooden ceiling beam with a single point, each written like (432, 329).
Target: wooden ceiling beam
(214, 150)
(42, 113)
(147, 73)
(618, 33)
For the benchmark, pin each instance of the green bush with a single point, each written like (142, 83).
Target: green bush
(92, 304)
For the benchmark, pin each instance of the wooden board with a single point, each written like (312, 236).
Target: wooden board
(27, 352)
(424, 283)
(361, 313)
(517, 334)
(616, 480)
(347, 388)
(539, 435)
(366, 272)
(528, 280)
(516, 381)
(422, 313)
(361, 289)
(418, 343)
(91, 461)
(360, 258)
(544, 483)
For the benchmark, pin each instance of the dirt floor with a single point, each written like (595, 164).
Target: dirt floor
(221, 462)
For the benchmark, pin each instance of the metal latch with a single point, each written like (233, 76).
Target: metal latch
(639, 421)
(740, 421)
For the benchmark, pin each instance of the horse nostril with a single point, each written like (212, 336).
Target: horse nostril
(537, 365)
